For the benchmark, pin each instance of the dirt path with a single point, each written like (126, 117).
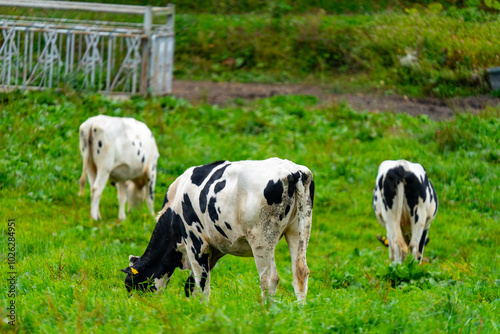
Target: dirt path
(435, 108)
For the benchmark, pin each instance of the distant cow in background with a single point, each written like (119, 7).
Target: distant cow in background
(124, 151)
(405, 203)
(241, 208)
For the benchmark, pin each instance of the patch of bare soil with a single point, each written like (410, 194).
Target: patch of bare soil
(437, 109)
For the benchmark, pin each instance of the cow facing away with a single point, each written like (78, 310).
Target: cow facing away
(241, 208)
(124, 151)
(405, 203)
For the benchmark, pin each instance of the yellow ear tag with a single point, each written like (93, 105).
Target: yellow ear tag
(386, 242)
(134, 271)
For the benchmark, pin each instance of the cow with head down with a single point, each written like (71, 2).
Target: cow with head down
(405, 203)
(241, 208)
(124, 151)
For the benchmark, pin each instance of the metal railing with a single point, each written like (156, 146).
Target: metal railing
(110, 57)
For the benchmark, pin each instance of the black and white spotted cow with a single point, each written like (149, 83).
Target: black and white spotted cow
(124, 151)
(405, 203)
(241, 208)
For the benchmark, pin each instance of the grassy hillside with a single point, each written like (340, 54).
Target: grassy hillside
(68, 266)
(294, 6)
(452, 48)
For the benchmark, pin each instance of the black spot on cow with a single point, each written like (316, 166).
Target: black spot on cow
(133, 143)
(200, 173)
(153, 168)
(221, 231)
(151, 193)
(189, 286)
(380, 182)
(416, 215)
(188, 212)
(423, 241)
(203, 280)
(204, 193)
(95, 130)
(99, 143)
(143, 158)
(219, 186)
(138, 152)
(140, 143)
(198, 228)
(311, 192)
(292, 181)
(273, 192)
(228, 226)
(281, 216)
(287, 210)
(392, 178)
(414, 190)
(196, 242)
(212, 212)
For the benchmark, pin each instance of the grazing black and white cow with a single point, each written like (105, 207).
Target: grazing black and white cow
(241, 208)
(124, 151)
(405, 203)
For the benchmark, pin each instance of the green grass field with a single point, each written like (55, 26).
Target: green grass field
(68, 266)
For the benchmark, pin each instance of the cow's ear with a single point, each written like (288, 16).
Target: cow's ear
(132, 259)
(127, 271)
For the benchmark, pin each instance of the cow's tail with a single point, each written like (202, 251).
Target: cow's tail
(86, 151)
(304, 189)
(394, 182)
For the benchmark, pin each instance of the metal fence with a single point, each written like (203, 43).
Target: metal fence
(110, 57)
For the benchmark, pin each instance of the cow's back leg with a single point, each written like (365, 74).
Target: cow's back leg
(419, 229)
(300, 271)
(97, 189)
(392, 218)
(266, 266)
(122, 199)
(263, 240)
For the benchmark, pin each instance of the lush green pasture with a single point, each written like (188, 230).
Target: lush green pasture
(68, 266)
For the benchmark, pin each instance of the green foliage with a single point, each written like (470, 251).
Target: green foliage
(450, 58)
(408, 275)
(68, 266)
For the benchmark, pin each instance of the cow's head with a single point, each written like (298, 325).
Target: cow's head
(155, 267)
(144, 276)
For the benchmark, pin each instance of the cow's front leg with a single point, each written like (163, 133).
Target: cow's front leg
(122, 199)
(200, 273)
(189, 286)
